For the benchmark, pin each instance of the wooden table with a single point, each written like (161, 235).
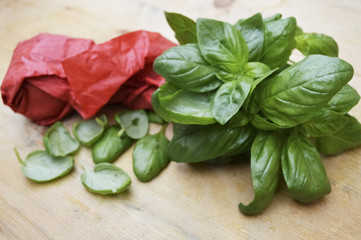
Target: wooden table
(185, 201)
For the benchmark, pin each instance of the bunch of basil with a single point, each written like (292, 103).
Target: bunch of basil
(231, 89)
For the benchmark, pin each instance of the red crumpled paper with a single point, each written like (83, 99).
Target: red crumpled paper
(35, 84)
(119, 70)
(51, 75)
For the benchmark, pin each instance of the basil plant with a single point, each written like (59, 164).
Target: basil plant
(232, 89)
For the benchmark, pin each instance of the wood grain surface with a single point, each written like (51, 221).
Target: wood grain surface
(185, 201)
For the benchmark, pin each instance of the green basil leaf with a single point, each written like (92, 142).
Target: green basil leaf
(194, 143)
(303, 170)
(279, 42)
(263, 124)
(110, 146)
(272, 18)
(344, 100)
(265, 168)
(58, 142)
(150, 156)
(184, 28)
(229, 98)
(249, 104)
(252, 30)
(257, 70)
(324, 123)
(296, 94)
(185, 67)
(223, 160)
(346, 138)
(89, 131)
(105, 179)
(181, 106)
(155, 118)
(134, 122)
(223, 46)
(316, 43)
(39, 166)
(240, 119)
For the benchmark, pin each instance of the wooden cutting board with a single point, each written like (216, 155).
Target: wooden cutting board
(185, 201)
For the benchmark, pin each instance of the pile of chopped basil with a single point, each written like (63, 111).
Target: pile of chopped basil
(107, 143)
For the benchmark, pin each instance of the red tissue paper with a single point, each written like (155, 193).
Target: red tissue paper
(50, 75)
(35, 84)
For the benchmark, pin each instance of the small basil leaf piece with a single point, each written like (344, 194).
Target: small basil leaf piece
(265, 168)
(316, 43)
(150, 156)
(181, 106)
(344, 100)
(303, 170)
(58, 142)
(184, 28)
(296, 94)
(105, 179)
(279, 42)
(346, 138)
(240, 119)
(257, 70)
(110, 146)
(89, 131)
(39, 166)
(229, 98)
(154, 118)
(325, 123)
(185, 67)
(194, 143)
(223, 47)
(134, 122)
(252, 30)
(272, 18)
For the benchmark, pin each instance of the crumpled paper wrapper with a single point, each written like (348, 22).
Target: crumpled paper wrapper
(35, 84)
(51, 75)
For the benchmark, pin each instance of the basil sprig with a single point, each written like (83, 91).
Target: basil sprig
(232, 89)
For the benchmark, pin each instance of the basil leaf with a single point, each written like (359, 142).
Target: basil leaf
(346, 138)
(105, 179)
(344, 100)
(316, 43)
(150, 156)
(252, 30)
(263, 124)
(257, 70)
(279, 42)
(39, 166)
(239, 119)
(181, 106)
(110, 146)
(154, 118)
(135, 123)
(184, 28)
(303, 170)
(89, 131)
(296, 94)
(229, 98)
(223, 46)
(272, 18)
(325, 123)
(58, 142)
(185, 67)
(265, 168)
(194, 143)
